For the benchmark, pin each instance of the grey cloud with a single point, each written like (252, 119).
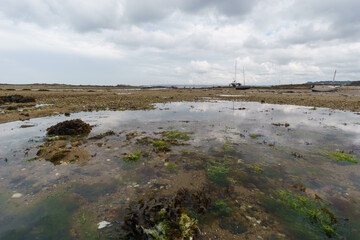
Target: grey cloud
(79, 15)
(111, 14)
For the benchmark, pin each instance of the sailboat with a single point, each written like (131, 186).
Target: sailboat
(325, 88)
(238, 85)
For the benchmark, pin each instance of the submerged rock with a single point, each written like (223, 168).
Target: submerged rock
(70, 127)
(103, 224)
(16, 195)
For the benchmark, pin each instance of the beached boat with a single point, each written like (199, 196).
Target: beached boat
(326, 88)
(238, 85)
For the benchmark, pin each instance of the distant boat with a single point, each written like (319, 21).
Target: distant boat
(325, 88)
(238, 85)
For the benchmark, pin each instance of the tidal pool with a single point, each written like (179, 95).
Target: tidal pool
(250, 170)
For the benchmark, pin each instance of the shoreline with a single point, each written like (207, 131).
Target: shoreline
(132, 98)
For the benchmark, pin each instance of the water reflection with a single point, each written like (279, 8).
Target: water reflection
(252, 135)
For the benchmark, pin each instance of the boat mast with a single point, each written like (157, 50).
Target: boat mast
(334, 77)
(244, 74)
(235, 70)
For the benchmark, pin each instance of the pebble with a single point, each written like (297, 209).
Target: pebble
(103, 224)
(16, 195)
(57, 174)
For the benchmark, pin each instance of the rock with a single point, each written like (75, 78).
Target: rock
(103, 224)
(67, 114)
(16, 195)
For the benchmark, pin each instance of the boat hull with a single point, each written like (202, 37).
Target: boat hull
(323, 89)
(242, 87)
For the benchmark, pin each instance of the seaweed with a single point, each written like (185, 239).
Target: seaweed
(256, 168)
(70, 127)
(161, 146)
(102, 135)
(171, 167)
(176, 135)
(341, 157)
(165, 217)
(316, 211)
(16, 99)
(133, 157)
(222, 208)
(254, 136)
(218, 173)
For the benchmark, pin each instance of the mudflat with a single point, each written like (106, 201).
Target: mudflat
(61, 99)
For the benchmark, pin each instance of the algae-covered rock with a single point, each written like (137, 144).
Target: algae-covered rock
(70, 127)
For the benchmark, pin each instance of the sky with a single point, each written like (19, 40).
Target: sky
(151, 42)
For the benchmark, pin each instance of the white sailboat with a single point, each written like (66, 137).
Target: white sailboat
(325, 88)
(238, 85)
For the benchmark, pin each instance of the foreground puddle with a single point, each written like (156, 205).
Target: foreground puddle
(211, 170)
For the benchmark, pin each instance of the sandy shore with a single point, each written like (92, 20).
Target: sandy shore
(70, 99)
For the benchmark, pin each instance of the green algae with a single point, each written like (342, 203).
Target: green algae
(172, 167)
(133, 157)
(228, 147)
(340, 157)
(255, 136)
(161, 146)
(223, 208)
(218, 173)
(256, 168)
(304, 217)
(177, 135)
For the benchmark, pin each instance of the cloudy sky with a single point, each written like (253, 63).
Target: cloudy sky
(109, 42)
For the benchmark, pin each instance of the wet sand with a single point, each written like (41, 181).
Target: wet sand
(71, 99)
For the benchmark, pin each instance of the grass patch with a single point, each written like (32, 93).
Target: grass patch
(341, 157)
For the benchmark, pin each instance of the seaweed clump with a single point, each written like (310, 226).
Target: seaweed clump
(176, 135)
(70, 127)
(165, 217)
(161, 146)
(16, 99)
(133, 157)
(218, 173)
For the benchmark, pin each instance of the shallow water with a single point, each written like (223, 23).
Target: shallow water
(239, 135)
